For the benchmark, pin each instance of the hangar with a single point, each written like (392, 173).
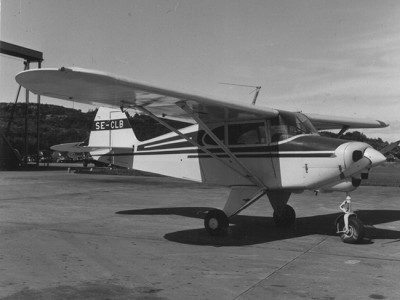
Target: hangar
(9, 159)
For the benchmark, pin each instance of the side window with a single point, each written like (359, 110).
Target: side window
(288, 124)
(219, 133)
(282, 132)
(247, 134)
(283, 127)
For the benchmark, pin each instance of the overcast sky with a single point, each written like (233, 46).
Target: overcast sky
(338, 57)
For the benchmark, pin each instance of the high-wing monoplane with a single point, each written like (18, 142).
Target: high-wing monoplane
(254, 150)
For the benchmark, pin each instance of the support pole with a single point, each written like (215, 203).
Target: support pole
(14, 106)
(29, 56)
(38, 123)
(13, 111)
(26, 121)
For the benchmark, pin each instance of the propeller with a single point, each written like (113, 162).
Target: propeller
(361, 161)
(389, 147)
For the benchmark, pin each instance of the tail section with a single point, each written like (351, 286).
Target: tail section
(112, 141)
(113, 135)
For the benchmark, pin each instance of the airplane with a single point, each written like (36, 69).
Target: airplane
(255, 150)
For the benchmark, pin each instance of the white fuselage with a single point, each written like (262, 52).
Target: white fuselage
(273, 154)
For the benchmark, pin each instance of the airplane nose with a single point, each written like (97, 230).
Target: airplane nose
(374, 156)
(360, 156)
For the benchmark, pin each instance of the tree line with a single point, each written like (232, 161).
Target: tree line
(59, 125)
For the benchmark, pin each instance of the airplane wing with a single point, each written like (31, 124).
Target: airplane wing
(322, 122)
(102, 89)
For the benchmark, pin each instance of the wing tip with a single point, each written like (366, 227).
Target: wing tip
(382, 124)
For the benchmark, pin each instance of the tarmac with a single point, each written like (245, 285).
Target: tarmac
(85, 236)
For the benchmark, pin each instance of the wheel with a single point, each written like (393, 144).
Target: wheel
(216, 223)
(355, 233)
(286, 218)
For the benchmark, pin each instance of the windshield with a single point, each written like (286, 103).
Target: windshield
(289, 124)
(304, 124)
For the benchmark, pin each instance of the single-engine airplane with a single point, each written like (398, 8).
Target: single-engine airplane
(254, 150)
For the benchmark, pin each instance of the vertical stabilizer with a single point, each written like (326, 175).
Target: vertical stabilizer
(112, 131)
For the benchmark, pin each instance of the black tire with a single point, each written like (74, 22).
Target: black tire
(286, 218)
(216, 223)
(356, 230)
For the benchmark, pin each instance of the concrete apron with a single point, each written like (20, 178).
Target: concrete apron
(70, 236)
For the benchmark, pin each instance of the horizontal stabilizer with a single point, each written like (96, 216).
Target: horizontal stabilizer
(78, 147)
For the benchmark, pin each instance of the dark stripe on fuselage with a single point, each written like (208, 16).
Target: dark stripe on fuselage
(201, 154)
(311, 143)
(301, 143)
(266, 155)
(303, 146)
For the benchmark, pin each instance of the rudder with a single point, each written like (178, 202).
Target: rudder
(112, 131)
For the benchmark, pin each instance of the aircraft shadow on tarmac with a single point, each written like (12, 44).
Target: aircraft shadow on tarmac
(249, 230)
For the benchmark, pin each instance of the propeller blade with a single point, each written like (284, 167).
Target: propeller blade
(389, 147)
(370, 159)
(356, 167)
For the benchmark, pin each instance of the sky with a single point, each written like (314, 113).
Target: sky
(334, 57)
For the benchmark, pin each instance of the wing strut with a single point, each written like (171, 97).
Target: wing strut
(253, 199)
(247, 172)
(247, 175)
(342, 131)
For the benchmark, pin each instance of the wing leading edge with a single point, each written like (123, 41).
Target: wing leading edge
(103, 89)
(97, 88)
(322, 122)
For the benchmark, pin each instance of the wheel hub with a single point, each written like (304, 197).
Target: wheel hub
(213, 223)
(349, 232)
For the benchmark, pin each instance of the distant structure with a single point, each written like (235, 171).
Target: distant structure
(6, 150)
(9, 158)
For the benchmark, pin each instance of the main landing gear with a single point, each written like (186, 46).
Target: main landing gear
(216, 221)
(286, 217)
(350, 228)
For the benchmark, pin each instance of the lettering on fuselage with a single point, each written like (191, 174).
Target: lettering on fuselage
(111, 124)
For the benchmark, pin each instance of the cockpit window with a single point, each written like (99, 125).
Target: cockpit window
(218, 132)
(286, 125)
(290, 124)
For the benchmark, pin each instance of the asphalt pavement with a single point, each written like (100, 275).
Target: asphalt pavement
(85, 236)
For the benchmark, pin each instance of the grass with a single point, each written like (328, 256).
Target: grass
(387, 174)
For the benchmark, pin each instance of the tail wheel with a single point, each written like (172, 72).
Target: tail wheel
(355, 234)
(216, 223)
(286, 218)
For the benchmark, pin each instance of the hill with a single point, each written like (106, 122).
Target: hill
(59, 124)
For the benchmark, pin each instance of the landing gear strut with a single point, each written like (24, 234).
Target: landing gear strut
(350, 228)
(286, 217)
